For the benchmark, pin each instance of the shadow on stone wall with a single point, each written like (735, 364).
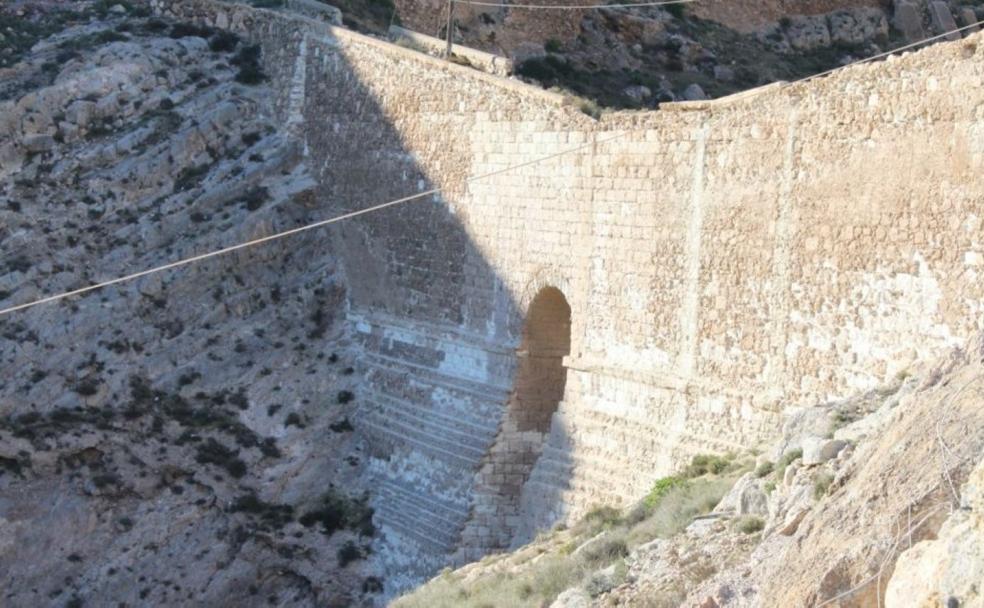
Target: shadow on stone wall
(435, 393)
(437, 328)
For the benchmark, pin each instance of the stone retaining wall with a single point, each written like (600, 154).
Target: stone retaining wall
(723, 261)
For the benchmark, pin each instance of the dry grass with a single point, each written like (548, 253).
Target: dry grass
(566, 558)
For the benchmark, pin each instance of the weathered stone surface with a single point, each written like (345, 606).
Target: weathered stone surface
(942, 19)
(161, 451)
(732, 237)
(807, 33)
(724, 73)
(817, 450)
(38, 143)
(908, 20)
(694, 93)
(746, 497)
(968, 19)
(948, 570)
(857, 26)
(622, 376)
(638, 93)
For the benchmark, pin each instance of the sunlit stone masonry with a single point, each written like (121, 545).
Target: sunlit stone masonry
(561, 334)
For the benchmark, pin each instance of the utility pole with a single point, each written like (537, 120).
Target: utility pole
(447, 52)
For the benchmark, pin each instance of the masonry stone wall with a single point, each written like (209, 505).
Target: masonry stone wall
(724, 261)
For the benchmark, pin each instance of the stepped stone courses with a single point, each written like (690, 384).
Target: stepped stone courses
(723, 261)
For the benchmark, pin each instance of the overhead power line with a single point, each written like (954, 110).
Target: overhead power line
(572, 6)
(286, 233)
(318, 224)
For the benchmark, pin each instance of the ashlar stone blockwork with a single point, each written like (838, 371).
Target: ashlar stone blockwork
(723, 262)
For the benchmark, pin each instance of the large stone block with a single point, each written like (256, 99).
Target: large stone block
(908, 20)
(817, 450)
(942, 19)
(968, 18)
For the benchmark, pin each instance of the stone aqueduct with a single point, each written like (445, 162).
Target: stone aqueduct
(559, 335)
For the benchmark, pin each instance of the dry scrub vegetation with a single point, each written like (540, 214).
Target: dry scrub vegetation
(590, 553)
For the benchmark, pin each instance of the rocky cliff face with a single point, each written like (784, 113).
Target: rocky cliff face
(640, 57)
(182, 439)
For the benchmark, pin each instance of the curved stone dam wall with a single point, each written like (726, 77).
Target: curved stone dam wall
(560, 334)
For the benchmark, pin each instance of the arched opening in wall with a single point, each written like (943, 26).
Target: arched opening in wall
(499, 516)
(541, 377)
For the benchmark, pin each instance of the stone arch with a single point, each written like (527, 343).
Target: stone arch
(538, 390)
(543, 278)
(541, 376)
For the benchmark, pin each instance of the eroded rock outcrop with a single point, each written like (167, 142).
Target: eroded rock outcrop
(183, 439)
(949, 569)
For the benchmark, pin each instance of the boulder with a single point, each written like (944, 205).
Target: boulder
(942, 19)
(637, 93)
(81, 113)
(724, 73)
(968, 18)
(818, 451)
(950, 566)
(38, 143)
(746, 497)
(575, 597)
(694, 93)
(908, 20)
(806, 33)
(800, 424)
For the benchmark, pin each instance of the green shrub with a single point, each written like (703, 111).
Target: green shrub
(248, 62)
(787, 459)
(372, 584)
(764, 469)
(553, 46)
(270, 516)
(338, 511)
(348, 553)
(677, 10)
(598, 519)
(213, 452)
(342, 426)
(590, 108)
(703, 464)
(661, 488)
(605, 549)
(750, 525)
(821, 484)
(187, 30)
(599, 584)
(223, 42)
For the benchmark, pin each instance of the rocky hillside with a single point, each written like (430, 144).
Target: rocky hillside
(876, 498)
(640, 57)
(183, 439)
